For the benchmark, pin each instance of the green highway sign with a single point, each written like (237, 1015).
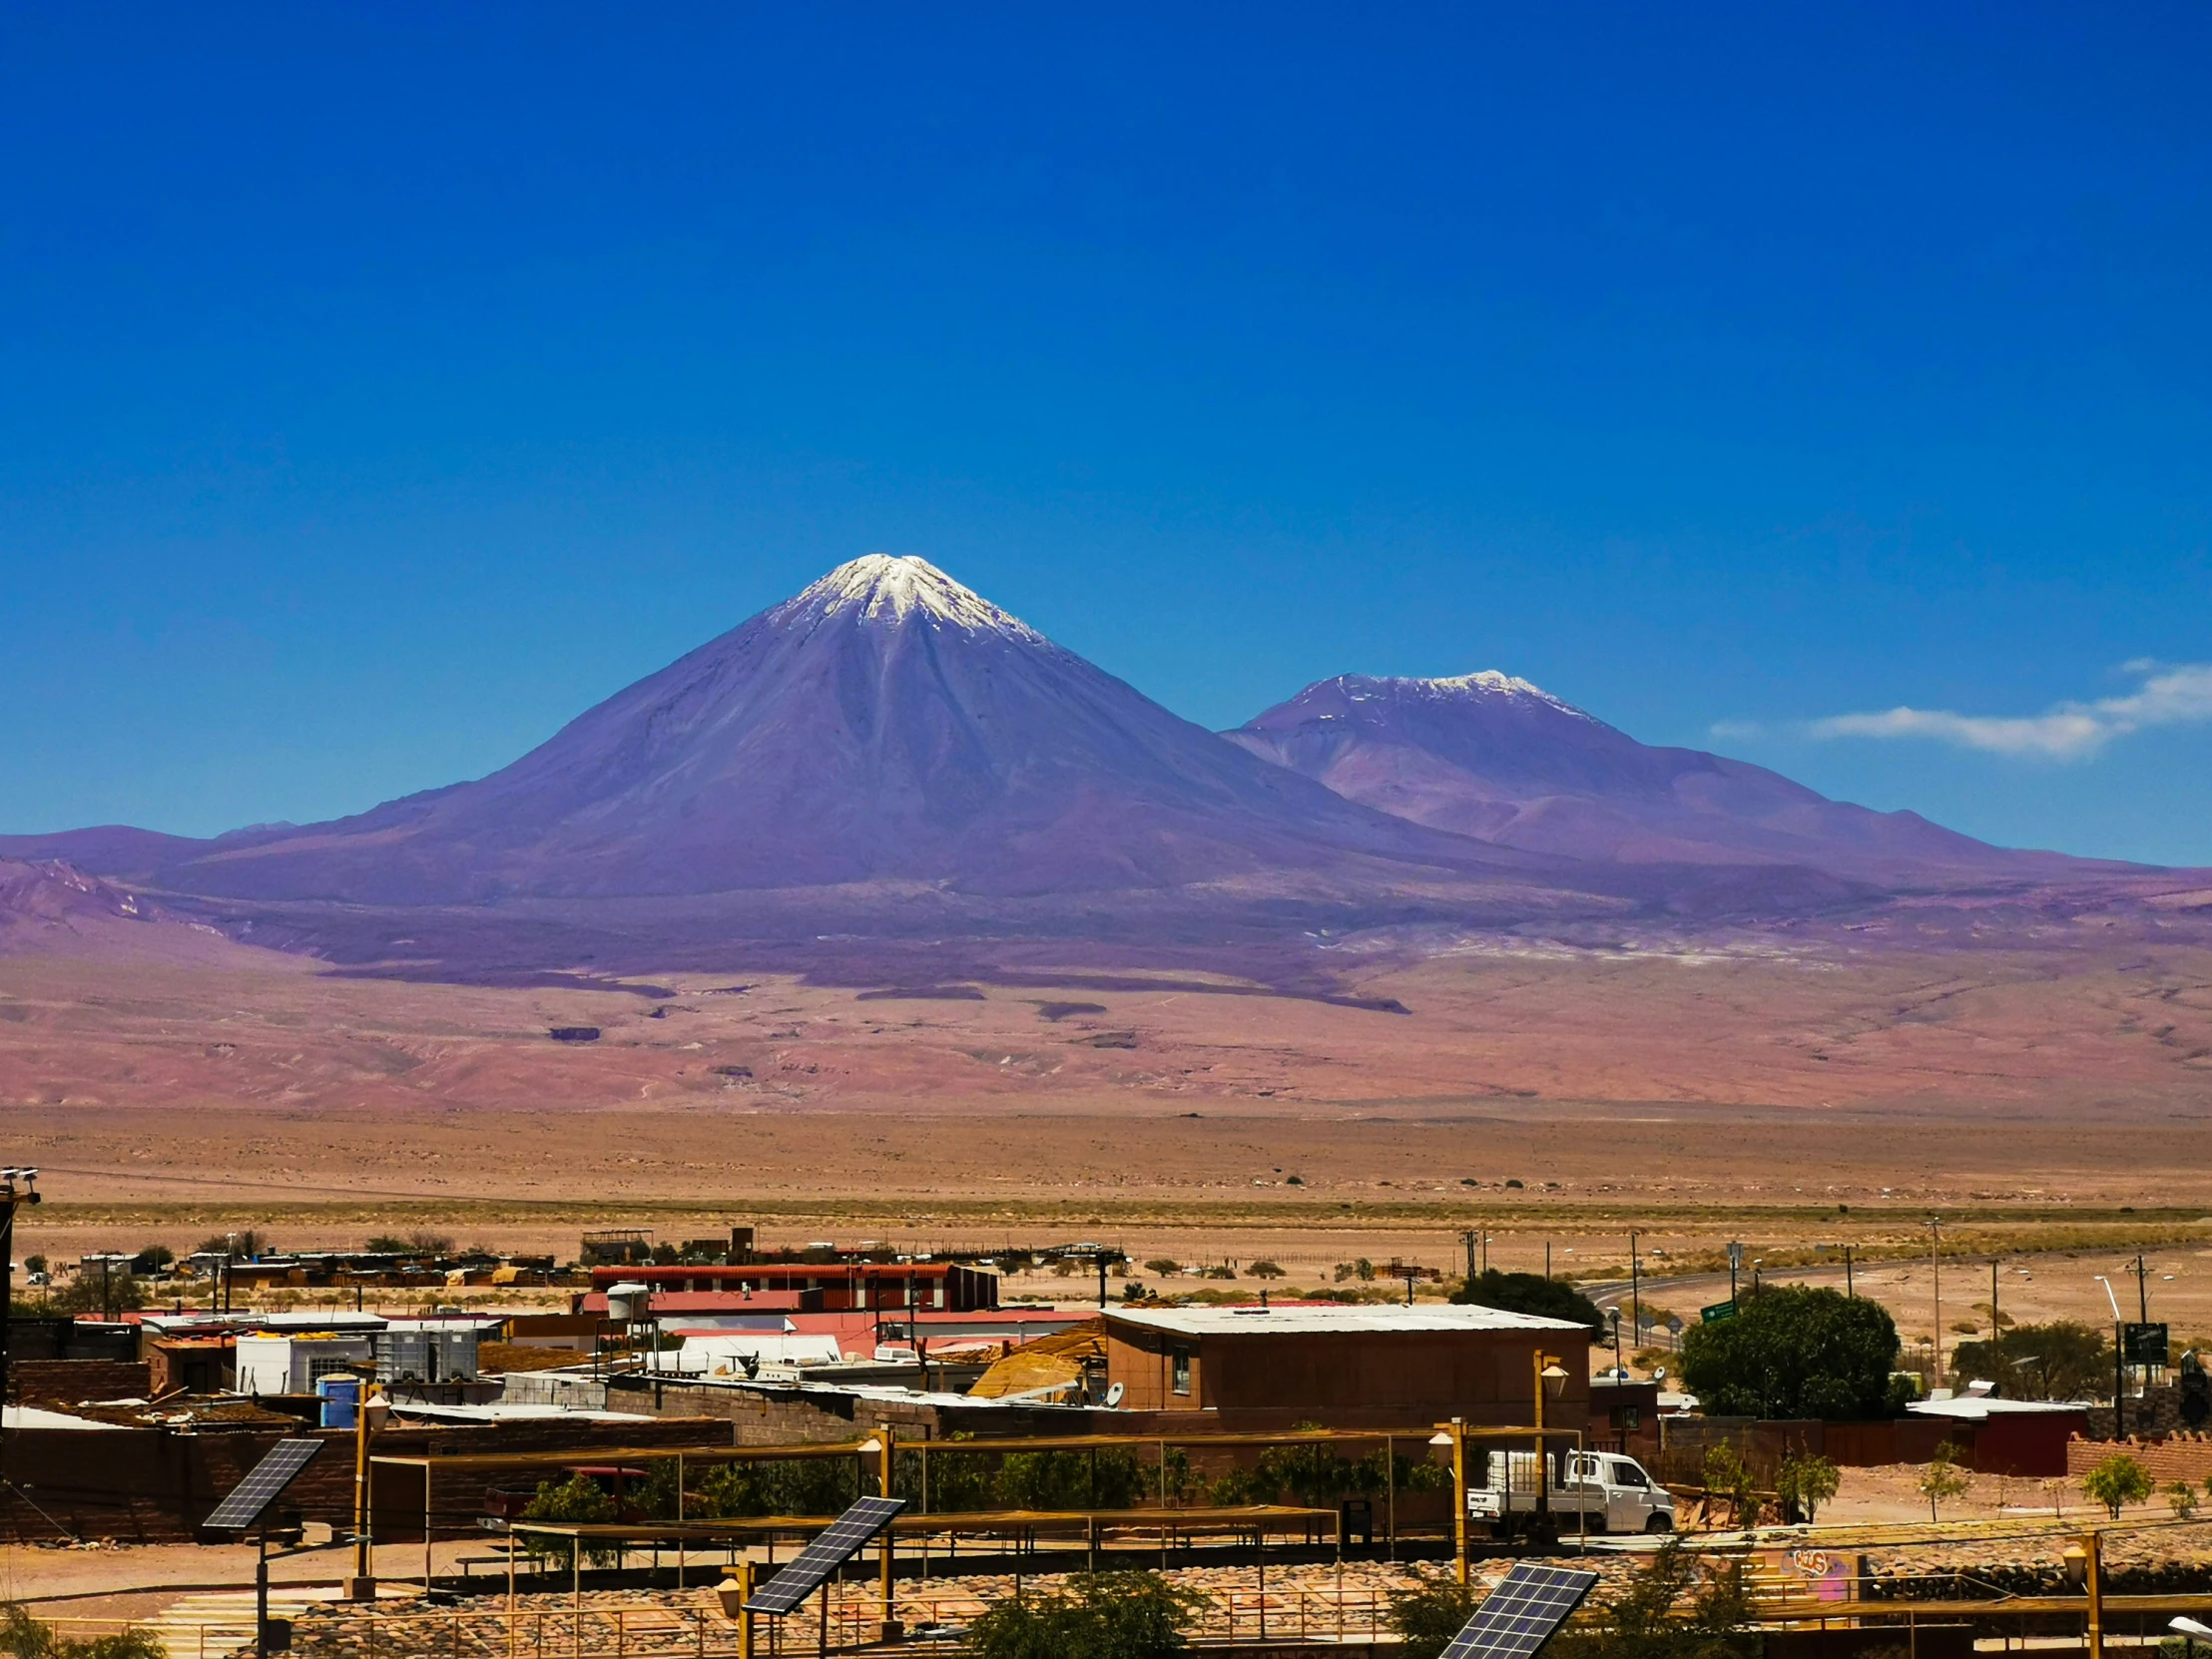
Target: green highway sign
(1718, 1312)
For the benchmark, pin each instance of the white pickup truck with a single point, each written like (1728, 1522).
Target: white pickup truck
(1603, 1489)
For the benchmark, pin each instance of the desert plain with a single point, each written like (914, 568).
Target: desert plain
(2044, 1105)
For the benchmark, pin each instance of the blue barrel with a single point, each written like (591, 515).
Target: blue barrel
(342, 1397)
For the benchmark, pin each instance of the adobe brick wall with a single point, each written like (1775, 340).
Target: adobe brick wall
(2182, 1456)
(150, 1485)
(65, 1382)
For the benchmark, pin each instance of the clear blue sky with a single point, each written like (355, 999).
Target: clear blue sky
(379, 386)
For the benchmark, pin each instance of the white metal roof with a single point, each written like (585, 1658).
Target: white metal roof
(1372, 1319)
(1980, 1407)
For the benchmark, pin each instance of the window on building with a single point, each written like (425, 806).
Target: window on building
(1179, 1370)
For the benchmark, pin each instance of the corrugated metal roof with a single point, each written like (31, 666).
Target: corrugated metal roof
(1333, 1319)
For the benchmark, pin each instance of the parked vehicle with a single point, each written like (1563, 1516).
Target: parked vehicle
(1602, 1490)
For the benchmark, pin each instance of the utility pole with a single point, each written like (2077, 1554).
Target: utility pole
(1548, 1258)
(2142, 1288)
(1469, 1236)
(1635, 1291)
(1936, 1259)
(2119, 1369)
(17, 1186)
(1849, 1289)
(1994, 1330)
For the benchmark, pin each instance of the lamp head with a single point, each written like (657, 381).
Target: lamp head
(2190, 1627)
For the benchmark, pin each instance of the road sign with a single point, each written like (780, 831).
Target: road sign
(1718, 1312)
(1674, 1323)
(1735, 1258)
(2145, 1344)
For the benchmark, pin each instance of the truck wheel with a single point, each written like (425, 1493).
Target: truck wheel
(1661, 1522)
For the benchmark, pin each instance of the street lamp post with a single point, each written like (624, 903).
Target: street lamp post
(2120, 1363)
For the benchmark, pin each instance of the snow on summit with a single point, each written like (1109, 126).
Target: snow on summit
(882, 587)
(1483, 683)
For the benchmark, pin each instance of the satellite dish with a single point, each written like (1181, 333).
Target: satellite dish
(1114, 1393)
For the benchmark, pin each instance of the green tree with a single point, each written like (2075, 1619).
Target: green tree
(1125, 1615)
(578, 1501)
(2181, 1498)
(1728, 1476)
(1648, 1620)
(1530, 1293)
(1943, 1478)
(1796, 1352)
(2118, 1481)
(1265, 1269)
(153, 1259)
(2063, 1359)
(23, 1637)
(1804, 1482)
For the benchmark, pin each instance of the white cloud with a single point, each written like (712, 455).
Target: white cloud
(2171, 694)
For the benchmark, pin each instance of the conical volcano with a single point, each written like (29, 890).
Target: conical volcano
(885, 725)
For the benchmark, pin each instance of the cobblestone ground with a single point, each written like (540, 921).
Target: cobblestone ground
(1315, 1599)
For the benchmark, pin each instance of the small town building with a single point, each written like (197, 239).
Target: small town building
(1362, 1366)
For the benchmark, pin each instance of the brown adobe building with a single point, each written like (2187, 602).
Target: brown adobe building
(1366, 1367)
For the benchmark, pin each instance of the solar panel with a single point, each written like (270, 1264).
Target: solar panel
(264, 1482)
(1528, 1606)
(831, 1548)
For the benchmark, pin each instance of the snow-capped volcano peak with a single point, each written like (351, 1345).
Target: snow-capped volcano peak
(1482, 684)
(881, 587)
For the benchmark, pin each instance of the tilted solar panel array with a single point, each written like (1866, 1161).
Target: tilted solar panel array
(831, 1548)
(264, 1482)
(1527, 1609)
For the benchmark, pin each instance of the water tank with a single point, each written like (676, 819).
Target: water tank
(340, 1399)
(627, 1300)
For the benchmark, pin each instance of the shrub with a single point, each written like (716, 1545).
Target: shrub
(1430, 1614)
(246, 1246)
(1264, 1270)
(23, 1637)
(1135, 1615)
(91, 1291)
(1641, 1623)
(2181, 1498)
(1167, 1267)
(1796, 1352)
(2118, 1481)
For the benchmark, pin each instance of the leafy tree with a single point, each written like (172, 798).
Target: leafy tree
(1728, 1476)
(1796, 1352)
(2181, 1498)
(796, 1486)
(1430, 1614)
(1530, 1293)
(1643, 1622)
(1943, 1478)
(1264, 1270)
(245, 1247)
(2063, 1359)
(153, 1259)
(1167, 1267)
(23, 1637)
(578, 1500)
(34, 1263)
(1806, 1481)
(2118, 1481)
(1125, 1615)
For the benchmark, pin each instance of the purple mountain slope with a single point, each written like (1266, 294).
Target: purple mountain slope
(1494, 758)
(885, 726)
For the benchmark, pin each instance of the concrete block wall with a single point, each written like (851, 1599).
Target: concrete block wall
(60, 1384)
